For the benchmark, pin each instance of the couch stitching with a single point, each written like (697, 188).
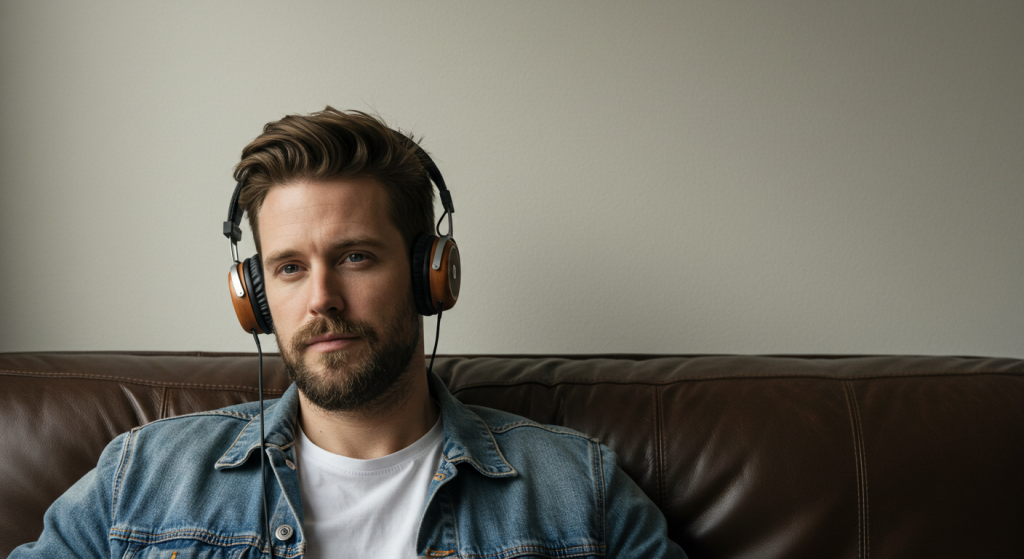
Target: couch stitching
(484, 384)
(126, 380)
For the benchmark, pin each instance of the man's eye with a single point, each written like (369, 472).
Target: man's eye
(289, 269)
(356, 257)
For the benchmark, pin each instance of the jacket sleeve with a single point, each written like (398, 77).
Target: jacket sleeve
(634, 525)
(77, 525)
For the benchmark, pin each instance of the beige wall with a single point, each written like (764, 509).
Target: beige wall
(675, 177)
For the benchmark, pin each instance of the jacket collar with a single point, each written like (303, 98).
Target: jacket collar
(279, 429)
(466, 437)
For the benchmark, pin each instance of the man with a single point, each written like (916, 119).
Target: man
(368, 454)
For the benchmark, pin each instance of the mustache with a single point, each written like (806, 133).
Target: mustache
(331, 325)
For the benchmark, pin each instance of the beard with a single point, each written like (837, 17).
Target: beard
(366, 378)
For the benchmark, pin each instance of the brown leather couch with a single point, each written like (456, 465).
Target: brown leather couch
(747, 456)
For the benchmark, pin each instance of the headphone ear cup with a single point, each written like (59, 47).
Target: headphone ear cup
(252, 270)
(446, 280)
(420, 265)
(240, 299)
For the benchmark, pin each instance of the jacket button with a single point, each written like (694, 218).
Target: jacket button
(283, 532)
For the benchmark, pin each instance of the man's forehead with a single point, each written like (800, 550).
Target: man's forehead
(315, 208)
(336, 194)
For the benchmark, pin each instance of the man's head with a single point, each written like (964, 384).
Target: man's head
(334, 200)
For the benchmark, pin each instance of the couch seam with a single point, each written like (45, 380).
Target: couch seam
(863, 539)
(620, 380)
(140, 414)
(128, 380)
(659, 454)
(163, 402)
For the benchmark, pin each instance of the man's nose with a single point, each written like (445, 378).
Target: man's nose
(325, 297)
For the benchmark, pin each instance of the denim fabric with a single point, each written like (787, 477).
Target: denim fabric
(507, 487)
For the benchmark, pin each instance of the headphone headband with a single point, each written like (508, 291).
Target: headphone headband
(432, 171)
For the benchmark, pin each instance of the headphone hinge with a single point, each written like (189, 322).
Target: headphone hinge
(439, 252)
(236, 282)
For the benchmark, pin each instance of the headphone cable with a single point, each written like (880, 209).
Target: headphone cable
(437, 336)
(263, 451)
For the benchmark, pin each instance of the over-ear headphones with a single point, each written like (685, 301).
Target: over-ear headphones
(435, 263)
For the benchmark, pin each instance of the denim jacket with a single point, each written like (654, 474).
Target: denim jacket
(507, 487)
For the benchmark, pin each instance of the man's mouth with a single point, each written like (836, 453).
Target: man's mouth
(330, 342)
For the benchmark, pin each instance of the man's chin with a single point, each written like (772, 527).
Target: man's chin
(366, 374)
(337, 361)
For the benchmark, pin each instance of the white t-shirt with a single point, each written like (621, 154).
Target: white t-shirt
(365, 508)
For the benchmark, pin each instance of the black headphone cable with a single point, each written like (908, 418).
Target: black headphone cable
(263, 451)
(437, 336)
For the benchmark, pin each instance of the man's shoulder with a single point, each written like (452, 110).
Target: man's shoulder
(189, 446)
(244, 412)
(206, 428)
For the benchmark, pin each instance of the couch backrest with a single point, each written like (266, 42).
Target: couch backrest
(747, 456)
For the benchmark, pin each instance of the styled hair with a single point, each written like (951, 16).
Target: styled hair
(332, 144)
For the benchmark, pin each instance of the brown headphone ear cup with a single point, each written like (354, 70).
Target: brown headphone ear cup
(240, 299)
(253, 273)
(447, 279)
(420, 265)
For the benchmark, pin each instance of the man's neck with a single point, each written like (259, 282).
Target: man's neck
(357, 434)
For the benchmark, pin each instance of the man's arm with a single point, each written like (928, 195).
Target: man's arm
(78, 523)
(635, 526)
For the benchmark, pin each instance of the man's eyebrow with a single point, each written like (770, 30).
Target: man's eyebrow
(340, 246)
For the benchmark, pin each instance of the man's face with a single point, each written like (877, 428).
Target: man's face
(338, 284)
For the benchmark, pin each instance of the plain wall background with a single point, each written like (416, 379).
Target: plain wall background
(667, 177)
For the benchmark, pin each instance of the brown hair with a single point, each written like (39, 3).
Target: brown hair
(332, 144)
